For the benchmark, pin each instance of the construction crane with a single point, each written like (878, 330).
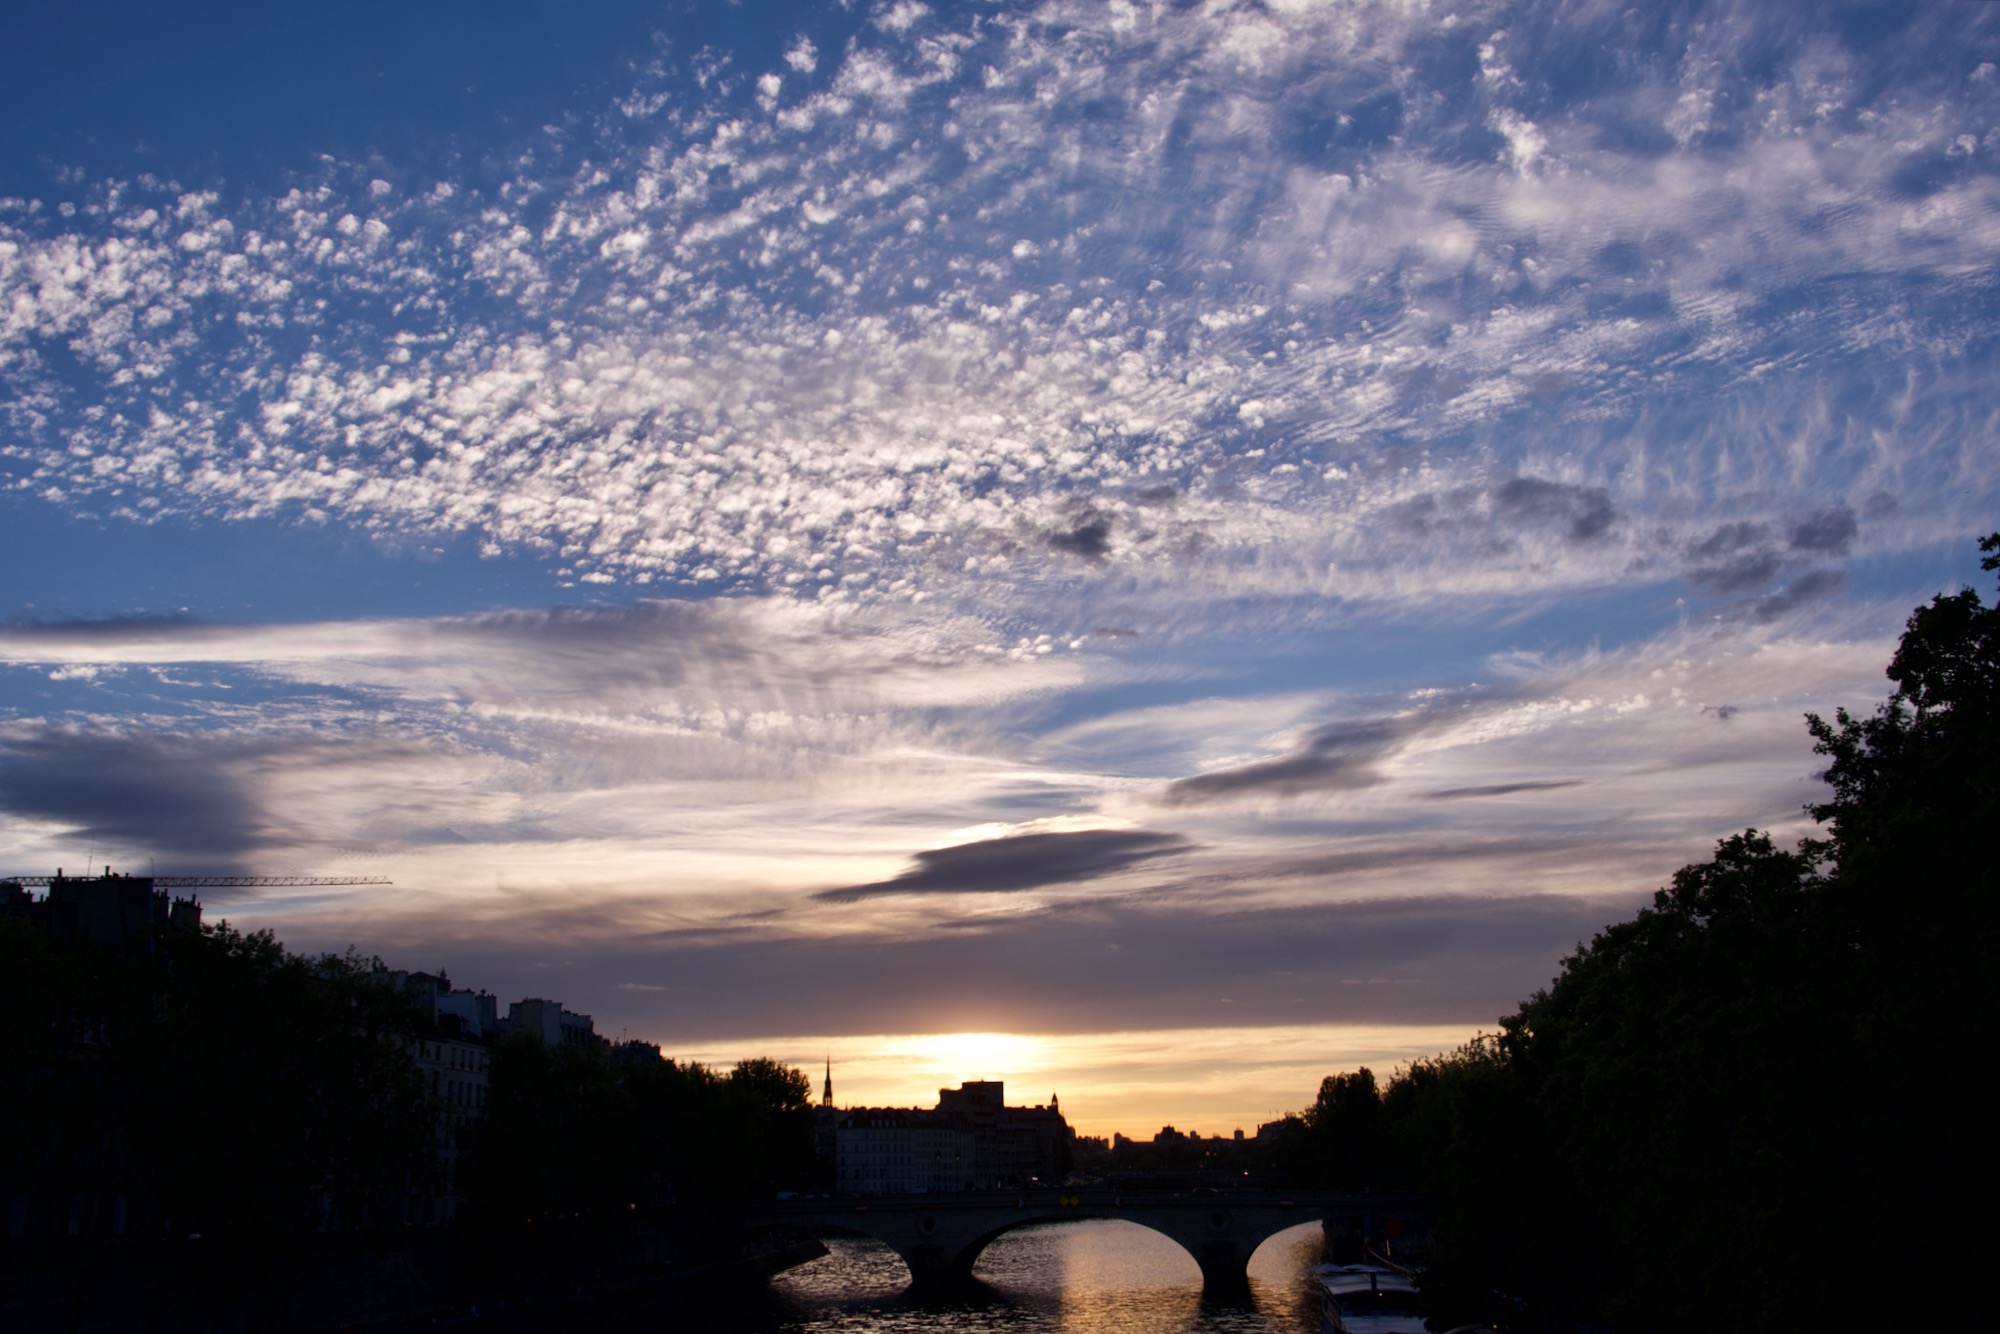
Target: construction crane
(214, 881)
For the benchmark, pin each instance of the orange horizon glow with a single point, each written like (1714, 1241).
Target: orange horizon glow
(1211, 1081)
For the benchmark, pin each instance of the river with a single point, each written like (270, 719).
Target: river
(1087, 1277)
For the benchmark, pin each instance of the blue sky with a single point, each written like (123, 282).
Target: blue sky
(1231, 529)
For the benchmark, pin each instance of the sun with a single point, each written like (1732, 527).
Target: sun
(963, 1056)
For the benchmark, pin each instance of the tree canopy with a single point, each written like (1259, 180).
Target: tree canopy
(1726, 1112)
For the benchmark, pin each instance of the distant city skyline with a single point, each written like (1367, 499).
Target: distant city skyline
(1151, 552)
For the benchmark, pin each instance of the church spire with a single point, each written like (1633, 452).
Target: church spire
(826, 1090)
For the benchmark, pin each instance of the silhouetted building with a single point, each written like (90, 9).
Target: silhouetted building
(634, 1052)
(550, 1024)
(972, 1141)
(452, 1055)
(118, 914)
(897, 1151)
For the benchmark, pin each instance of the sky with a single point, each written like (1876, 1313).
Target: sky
(1150, 551)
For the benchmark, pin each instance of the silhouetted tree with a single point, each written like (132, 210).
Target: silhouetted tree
(584, 1169)
(223, 1087)
(774, 1104)
(1767, 1081)
(1507, 1229)
(558, 1139)
(1691, 1088)
(1345, 1144)
(1914, 892)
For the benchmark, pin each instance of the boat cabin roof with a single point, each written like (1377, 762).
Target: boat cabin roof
(1342, 1280)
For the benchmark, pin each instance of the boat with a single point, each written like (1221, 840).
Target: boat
(1366, 1299)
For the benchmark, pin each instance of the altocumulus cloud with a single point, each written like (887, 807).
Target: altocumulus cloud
(696, 336)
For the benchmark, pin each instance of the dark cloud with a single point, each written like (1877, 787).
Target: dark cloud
(117, 629)
(1090, 538)
(178, 796)
(1807, 588)
(1500, 789)
(1730, 538)
(1828, 531)
(1741, 572)
(1339, 757)
(1097, 966)
(1438, 512)
(1024, 861)
(668, 633)
(1734, 558)
(1481, 862)
(1721, 712)
(1742, 557)
(1586, 511)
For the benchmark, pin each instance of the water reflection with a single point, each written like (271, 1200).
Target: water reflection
(1096, 1278)
(1088, 1277)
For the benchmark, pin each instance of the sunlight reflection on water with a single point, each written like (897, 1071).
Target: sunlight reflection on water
(1087, 1277)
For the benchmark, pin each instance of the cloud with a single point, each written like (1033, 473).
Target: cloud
(1585, 512)
(1503, 511)
(757, 652)
(1730, 538)
(187, 798)
(851, 340)
(1020, 861)
(981, 420)
(1088, 966)
(1337, 757)
(1739, 557)
(1090, 538)
(1743, 570)
(1808, 588)
(1500, 789)
(1827, 532)
(730, 736)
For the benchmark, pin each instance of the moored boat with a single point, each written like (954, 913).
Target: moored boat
(1366, 1299)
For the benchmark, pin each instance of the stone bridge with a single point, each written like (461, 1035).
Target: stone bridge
(940, 1236)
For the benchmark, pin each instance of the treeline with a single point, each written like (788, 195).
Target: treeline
(178, 1124)
(219, 1086)
(220, 1107)
(582, 1168)
(1759, 1104)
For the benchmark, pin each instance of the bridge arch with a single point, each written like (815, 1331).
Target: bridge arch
(869, 1266)
(940, 1239)
(1310, 1230)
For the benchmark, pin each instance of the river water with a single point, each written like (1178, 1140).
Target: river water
(1086, 1277)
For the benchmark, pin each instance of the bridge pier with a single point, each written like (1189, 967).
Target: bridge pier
(932, 1266)
(1225, 1271)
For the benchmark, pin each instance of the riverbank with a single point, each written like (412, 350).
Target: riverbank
(92, 1288)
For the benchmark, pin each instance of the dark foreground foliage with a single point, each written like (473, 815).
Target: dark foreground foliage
(1761, 1104)
(193, 1137)
(221, 1099)
(584, 1169)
